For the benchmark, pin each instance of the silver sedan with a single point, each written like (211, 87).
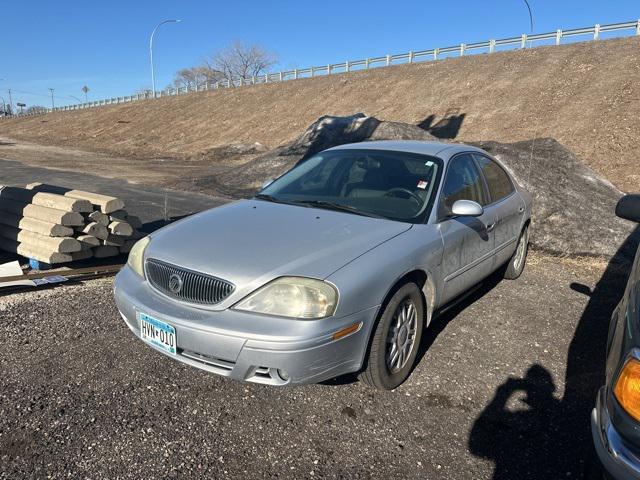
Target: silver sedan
(335, 267)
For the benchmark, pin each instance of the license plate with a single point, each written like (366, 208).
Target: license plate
(157, 333)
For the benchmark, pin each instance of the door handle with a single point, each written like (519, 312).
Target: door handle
(491, 227)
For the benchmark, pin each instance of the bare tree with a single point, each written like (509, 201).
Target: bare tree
(190, 77)
(241, 60)
(35, 109)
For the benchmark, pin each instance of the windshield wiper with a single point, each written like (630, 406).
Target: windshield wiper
(337, 207)
(264, 196)
(271, 198)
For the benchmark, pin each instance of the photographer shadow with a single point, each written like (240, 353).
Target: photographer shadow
(539, 435)
(510, 431)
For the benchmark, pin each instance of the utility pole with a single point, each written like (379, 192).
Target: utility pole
(53, 105)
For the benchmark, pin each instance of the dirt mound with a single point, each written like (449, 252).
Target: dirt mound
(326, 132)
(573, 206)
(573, 209)
(584, 95)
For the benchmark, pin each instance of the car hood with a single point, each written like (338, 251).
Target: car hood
(251, 242)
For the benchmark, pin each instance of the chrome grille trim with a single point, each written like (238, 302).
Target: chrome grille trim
(198, 288)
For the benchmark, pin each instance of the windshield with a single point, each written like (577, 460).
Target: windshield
(378, 183)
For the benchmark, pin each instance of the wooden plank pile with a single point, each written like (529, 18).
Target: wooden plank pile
(56, 225)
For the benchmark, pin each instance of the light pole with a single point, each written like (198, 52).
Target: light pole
(530, 15)
(53, 105)
(10, 99)
(153, 78)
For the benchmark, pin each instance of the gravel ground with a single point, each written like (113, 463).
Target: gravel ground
(503, 389)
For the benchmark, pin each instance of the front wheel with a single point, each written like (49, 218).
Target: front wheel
(515, 267)
(394, 345)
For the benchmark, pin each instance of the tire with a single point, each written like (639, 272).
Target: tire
(382, 369)
(517, 262)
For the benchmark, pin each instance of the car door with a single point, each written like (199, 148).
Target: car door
(504, 206)
(468, 241)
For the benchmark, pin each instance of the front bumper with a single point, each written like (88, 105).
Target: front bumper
(249, 347)
(618, 460)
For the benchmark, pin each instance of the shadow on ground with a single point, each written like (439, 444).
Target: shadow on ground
(551, 437)
(445, 128)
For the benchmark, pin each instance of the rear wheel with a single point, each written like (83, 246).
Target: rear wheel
(515, 267)
(394, 345)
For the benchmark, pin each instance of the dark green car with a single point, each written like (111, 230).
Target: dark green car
(615, 421)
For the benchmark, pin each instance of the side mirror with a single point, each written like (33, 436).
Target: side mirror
(467, 208)
(266, 183)
(629, 208)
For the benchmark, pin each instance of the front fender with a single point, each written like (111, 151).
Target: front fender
(366, 281)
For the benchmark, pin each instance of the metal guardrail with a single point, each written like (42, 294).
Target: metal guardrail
(463, 49)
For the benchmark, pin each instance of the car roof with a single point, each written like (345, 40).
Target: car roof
(442, 150)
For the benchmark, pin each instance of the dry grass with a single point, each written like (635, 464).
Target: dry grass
(590, 264)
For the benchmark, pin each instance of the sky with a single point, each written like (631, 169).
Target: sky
(104, 45)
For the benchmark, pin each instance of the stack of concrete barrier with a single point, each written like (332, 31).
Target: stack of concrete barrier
(56, 225)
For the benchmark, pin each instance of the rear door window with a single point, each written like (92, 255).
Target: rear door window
(463, 182)
(498, 181)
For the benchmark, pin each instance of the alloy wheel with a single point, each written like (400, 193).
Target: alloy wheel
(522, 248)
(402, 336)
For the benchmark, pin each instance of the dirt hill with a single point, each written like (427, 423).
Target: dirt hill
(586, 96)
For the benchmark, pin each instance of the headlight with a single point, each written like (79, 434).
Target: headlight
(294, 297)
(136, 256)
(627, 389)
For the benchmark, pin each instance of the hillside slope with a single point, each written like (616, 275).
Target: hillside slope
(586, 96)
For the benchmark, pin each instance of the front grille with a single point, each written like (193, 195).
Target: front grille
(187, 285)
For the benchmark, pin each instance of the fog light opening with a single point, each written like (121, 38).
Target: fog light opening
(283, 374)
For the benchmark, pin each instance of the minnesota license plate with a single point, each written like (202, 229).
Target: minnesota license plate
(157, 333)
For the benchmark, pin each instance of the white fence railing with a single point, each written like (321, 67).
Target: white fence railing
(490, 46)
